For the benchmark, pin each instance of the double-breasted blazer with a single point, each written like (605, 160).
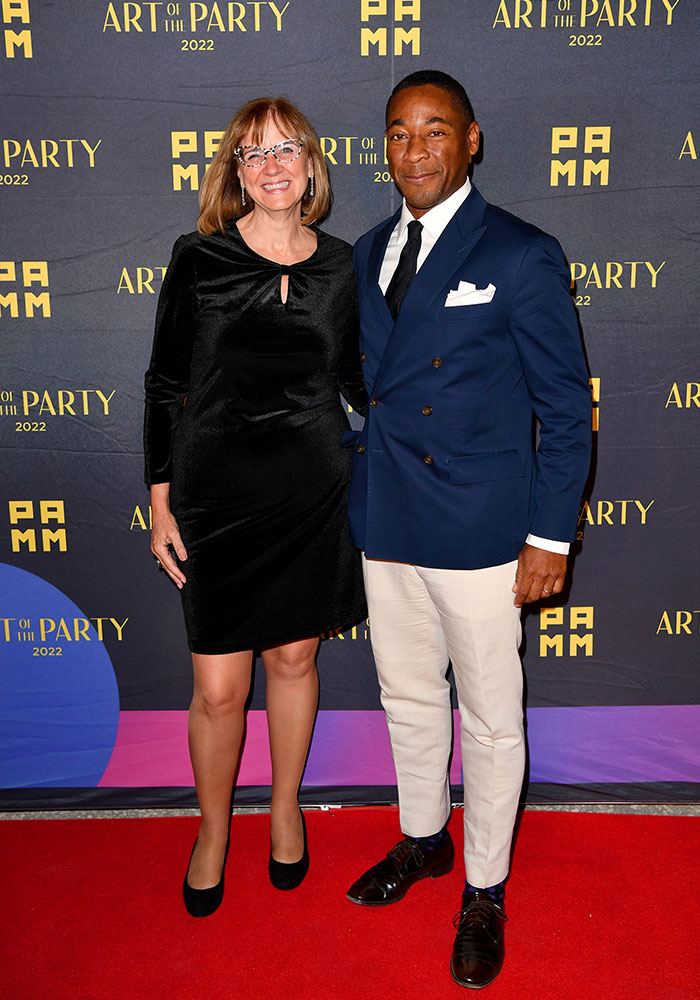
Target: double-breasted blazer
(449, 469)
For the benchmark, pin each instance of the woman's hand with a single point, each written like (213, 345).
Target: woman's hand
(165, 534)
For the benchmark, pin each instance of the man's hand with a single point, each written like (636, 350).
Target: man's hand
(539, 574)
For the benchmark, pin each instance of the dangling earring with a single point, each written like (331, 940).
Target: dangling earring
(243, 201)
(311, 187)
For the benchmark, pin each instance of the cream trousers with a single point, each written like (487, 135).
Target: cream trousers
(421, 619)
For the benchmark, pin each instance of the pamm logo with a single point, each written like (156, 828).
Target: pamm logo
(17, 30)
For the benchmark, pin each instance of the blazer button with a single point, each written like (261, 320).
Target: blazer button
(427, 410)
(374, 402)
(360, 449)
(437, 362)
(363, 357)
(428, 459)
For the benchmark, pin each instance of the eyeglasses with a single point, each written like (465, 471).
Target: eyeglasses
(254, 156)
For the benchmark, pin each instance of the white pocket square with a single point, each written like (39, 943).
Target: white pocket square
(467, 294)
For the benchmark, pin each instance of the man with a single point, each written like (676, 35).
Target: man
(468, 333)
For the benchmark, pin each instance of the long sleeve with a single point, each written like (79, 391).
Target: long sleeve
(167, 378)
(545, 330)
(350, 377)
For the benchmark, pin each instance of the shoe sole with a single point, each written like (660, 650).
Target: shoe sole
(397, 899)
(473, 986)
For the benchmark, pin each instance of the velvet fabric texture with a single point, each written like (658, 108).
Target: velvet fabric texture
(244, 420)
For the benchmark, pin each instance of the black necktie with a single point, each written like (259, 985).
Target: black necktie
(405, 269)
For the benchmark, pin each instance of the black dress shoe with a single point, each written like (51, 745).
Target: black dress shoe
(405, 864)
(203, 902)
(479, 948)
(289, 875)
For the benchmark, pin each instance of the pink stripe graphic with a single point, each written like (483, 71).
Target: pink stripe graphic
(348, 748)
(567, 746)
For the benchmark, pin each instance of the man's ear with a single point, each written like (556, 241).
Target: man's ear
(473, 138)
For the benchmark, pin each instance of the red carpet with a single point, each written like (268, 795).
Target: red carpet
(92, 911)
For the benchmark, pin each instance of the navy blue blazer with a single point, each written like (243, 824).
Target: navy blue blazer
(445, 470)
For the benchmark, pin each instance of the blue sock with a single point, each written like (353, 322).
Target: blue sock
(496, 893)
(433, 841)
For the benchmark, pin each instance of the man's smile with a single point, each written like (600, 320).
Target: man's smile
(418, 178)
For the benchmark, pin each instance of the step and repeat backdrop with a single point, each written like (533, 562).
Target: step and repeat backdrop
(111, 114)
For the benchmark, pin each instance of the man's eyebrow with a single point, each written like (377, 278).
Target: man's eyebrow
(426, 121)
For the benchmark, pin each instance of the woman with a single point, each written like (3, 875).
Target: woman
(255, 336)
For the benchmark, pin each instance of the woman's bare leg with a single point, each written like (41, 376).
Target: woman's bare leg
(221, 685)
(292, 701)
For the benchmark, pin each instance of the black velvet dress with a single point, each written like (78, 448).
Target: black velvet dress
(244, 420)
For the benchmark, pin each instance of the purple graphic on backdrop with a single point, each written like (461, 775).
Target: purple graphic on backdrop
(58, 692)
(621, 744)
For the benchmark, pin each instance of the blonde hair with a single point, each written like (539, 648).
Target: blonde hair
(220, 198)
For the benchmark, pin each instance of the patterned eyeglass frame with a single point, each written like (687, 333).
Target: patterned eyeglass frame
(238, 151)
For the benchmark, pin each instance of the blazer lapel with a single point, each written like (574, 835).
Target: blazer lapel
(457, 241)
(374, 266)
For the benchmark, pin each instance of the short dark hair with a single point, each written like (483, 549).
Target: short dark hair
(436, 78)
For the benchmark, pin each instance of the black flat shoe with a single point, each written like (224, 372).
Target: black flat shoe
(203, 902)
(288, 875)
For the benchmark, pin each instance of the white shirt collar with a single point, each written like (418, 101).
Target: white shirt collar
(436, 219)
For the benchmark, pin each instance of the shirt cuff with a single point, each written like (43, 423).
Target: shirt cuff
(549, 544)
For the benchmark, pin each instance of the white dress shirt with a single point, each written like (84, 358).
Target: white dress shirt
(434, 222)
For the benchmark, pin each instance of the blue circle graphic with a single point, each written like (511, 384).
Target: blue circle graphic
(59, 702)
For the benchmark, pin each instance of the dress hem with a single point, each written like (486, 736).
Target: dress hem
(221, 649)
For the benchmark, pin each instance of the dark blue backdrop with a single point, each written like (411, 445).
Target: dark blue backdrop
(111, 113)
